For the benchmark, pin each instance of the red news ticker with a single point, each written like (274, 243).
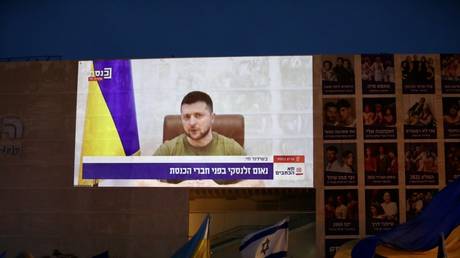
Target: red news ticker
(90, 79)
(289, 159)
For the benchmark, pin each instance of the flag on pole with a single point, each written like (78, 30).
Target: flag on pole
(198, 246)
(271, 242)
(110, 120)
(442, 247)
(421, 234)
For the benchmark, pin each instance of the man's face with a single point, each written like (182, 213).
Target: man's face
(331, 155)
(349, 160)
(339, 199)
(196, 119)
(339, 62)
(331, 114)
(345, 113)
(387, 197)
(452, 111)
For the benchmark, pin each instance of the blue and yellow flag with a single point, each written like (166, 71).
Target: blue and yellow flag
(110, 119)
(450, 248)
(442, 247)
(421, 235)
(197, 247)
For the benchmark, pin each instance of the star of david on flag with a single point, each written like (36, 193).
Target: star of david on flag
(271, 242)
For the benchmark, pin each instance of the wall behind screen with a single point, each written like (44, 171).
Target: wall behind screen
(141, 29)
(40, 209)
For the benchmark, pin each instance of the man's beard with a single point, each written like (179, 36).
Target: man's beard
(200, 135)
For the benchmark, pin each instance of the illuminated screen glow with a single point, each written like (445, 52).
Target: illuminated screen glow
(122, 105)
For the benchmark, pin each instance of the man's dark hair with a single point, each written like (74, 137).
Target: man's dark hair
(196, 96)
(346, 153)
(330, 105)
(343, 103)
(327, 62)
(332, 148)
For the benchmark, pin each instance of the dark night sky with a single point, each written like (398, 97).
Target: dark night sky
(89, 29)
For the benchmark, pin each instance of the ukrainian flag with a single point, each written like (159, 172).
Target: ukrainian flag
(421, 237)
(197, 247)
(110, 121)
(450, 248)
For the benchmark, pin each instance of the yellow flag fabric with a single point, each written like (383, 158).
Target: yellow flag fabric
(452, 245)
(110, 125)
(100, 136)
(198, 246)
(203, 250)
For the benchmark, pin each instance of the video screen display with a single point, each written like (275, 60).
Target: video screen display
(195, 122)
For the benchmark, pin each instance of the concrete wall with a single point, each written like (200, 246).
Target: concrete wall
(40, 210)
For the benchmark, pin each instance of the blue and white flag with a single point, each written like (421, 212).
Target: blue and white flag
(271, 242)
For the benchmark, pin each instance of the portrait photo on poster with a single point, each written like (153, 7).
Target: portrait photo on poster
(421, 163)
(341, 212)
(452, 161)
(418, 72)
(382, 212)
(379, 118)
(419, 119)
(381, 163)
(450, 73)
(337, 75)
(339, 118)
(417, 200)
(340, 164)
(451, 117)
(378, 74)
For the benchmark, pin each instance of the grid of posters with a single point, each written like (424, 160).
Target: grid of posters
(390, 139)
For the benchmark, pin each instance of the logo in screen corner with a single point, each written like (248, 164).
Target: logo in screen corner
(99, 75)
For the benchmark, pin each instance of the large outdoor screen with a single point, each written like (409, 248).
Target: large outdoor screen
(195, 122)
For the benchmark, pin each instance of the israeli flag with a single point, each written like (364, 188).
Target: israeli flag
(271, 242)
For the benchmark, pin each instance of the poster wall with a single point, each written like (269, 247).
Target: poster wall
(399, 116)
